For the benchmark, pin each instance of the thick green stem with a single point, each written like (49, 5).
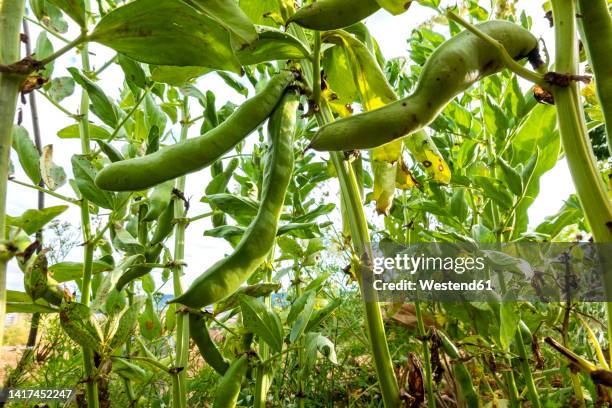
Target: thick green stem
(88, 246)
(179, 395)
(532, 390)
(578, 151)
(264, 371)
(11, 13)
(595, 26)
(362, 246)
(431, 402)
(360, 235)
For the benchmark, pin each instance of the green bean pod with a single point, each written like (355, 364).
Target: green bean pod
(159, 200)
(196, 153)
(326, 15)
(463, 376)
(165, 224)
(209, 351)
(229, 386)
(452, 68)
(595, 26)
(226, 276)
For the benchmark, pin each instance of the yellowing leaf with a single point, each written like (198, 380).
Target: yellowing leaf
(425, 152)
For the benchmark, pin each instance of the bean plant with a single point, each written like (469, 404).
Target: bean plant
(335, 152)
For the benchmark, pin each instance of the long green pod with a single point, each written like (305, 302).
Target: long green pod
(196, 153)
(229, 386)
(452, 68)
(198, 331)
(595, 24)
(333, 14)
(226, 276)
(165, 224)
(159, 200)
(463, 376)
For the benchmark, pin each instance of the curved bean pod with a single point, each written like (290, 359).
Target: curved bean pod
(332, 14)
(226, 276)
(196, 153)
(198, 331)
(452, 68)
(229, 386)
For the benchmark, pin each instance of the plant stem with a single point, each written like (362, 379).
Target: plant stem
(532, 391)
(72, 44)
(264, 372)
(182, 321)
(11, 13)
(88, 245)
(349, 191)
(595, 25)
(431, 402)
(47, 191)
(576, 143)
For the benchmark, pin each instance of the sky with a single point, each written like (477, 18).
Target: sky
(201, 252)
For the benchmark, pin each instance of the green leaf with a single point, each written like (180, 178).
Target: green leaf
(28, 155)
(320, 315)
(44, 48)
(29, 308)
(69, 271)
(570, 213)
(494, 190)
(85, 174)
(242, 209)
(272, 45)
(32, 220)
(537, 133)
(133, 71)
(512, 177)
(255, 291)
(303, 315)
(259, 11)
(315, 343)
(177, 76)
(508, 323)
(233, 83)
(289, 247)
(148, 321)
(230, 16)
(74, 132)
(74, 8)
(125, 242)
(261, 321)
(166, 33)
(60, 88)
(102, 106)
(225, 231)
(53, 175)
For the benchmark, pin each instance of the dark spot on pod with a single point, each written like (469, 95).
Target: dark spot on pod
(404, 104)
(427, 163)
(415, 118)
(429, 104)
(609, 225)
(437, 79)
(488, 65)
